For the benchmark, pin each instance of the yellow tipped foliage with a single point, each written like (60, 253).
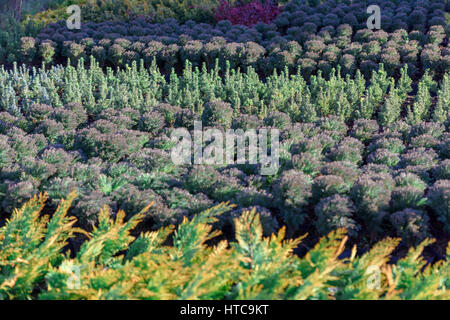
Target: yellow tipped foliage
(30, 245)
(182, 263)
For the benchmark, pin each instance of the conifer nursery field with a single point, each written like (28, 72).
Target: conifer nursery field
(118, 179)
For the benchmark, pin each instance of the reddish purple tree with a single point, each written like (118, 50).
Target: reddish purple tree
(248, 14)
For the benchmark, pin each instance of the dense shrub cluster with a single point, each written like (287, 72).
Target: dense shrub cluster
(318, 38)
(408, 15)
(106, 134)
(118, 45)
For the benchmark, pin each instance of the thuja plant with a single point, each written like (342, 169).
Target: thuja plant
(113, 264)
(442, 110)
(139, 87)
(391, 109)
(422, 102)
